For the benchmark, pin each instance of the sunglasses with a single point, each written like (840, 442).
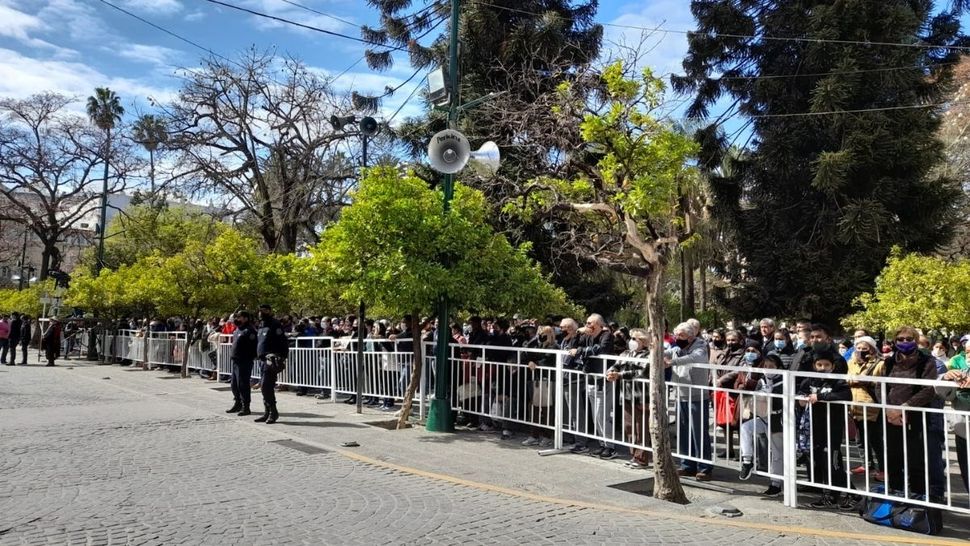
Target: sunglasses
(904, 339)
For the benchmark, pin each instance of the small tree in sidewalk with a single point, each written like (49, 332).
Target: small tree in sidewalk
(626, 211)
(391, 246)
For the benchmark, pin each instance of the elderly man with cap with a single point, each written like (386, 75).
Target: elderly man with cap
(272, 347)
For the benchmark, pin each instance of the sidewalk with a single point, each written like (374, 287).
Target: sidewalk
(483, 461)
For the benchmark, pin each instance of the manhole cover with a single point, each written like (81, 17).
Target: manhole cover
(390, 424)
(300, 446)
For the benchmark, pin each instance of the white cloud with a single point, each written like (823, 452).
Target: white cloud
(21, 76)
(196, 15)
(157, 55)
(159, 7)
(299, 15)
(666, 49)
(78, 21)
(17, 24)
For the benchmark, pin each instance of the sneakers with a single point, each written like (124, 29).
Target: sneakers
(484, 427)
(849, 503)
(702, 477)
(635, 464)
(530, 441)
(579, 449)
(597, 452)
(825, 502)
(772, 491)
(746, 469)
(545, 442)
(506, 434)
(608, 454)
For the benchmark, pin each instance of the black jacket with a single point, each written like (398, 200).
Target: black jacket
(25, 332)
(828, 418)
(271, 339)
(244, 344)
(589, 348)
(15, 326)
(634, 392)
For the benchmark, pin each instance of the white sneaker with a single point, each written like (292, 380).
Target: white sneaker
(531, 441)
(545, 442)
(506, 434)
(486, 428)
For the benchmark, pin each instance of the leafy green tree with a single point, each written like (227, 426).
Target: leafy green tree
(26, 300)
(923, 291)
(105, 111)
(143, 230)
(843, 128)
(626, 213)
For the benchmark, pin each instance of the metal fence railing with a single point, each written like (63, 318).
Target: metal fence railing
(790, 441)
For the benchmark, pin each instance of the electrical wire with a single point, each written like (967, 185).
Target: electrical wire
(301, 25)
(318, 12)
(403, 104)
(748, 36)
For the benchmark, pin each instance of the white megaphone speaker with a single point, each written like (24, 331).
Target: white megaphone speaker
(487, 159)
(449, 152)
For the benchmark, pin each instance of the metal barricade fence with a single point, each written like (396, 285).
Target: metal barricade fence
(166, 348)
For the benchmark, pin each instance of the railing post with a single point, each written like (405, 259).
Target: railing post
(422, 394)
(789, 426)
(560, 400)
(332, 364)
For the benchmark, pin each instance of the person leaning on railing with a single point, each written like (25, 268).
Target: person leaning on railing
(596, 340)
(866, 361)
(906, 430)
(694, 432)
(543, 387)
(635, 395)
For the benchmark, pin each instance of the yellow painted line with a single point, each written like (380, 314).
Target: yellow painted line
(781, 529)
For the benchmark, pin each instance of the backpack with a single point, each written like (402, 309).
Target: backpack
(890, 513)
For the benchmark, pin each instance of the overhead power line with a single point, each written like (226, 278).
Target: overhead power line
(750, 36)
(301, 25)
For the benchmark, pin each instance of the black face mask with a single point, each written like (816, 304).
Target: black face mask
(734, 346)
(719, 343)
(237, 322)
(863, 354)
(683, 343)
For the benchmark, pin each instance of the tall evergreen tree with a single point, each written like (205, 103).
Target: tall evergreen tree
(842, 97)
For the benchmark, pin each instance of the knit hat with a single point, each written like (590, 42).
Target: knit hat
(752, 344)
(868, 341)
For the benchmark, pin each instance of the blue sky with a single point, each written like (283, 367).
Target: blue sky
(73, 46)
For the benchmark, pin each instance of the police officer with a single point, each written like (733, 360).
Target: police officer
(272, 349)
(243, 354)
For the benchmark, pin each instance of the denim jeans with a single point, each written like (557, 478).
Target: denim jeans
(694, 435)
(601, 404)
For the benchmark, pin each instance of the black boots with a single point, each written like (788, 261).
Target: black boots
(235, 407)
(245, 411)
(264, 416)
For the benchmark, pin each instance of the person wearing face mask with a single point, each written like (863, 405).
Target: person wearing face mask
(597, 340)
(635, 395)
(717, 346)
(768, 408)
(905, 432)
(694, 433)
(242, 355)
(959, 360)
(725, 403)
(866, 361)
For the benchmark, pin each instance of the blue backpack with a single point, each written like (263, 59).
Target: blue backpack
(891, 513)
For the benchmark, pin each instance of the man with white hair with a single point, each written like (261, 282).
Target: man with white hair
(767, 329)
(596, 340)
(693, 431)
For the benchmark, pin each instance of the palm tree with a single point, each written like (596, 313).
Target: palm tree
(105, 110)
(151, 132)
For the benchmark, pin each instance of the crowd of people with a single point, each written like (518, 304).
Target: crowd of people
(738, 400)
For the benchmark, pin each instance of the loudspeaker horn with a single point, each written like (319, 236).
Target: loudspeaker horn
(339, 122)
(448, 151)
(368, 126)
(486, 159)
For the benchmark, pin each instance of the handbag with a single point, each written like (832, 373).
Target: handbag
(543, 393)
(725, 409)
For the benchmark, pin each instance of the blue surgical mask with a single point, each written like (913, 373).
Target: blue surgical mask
(751, 358)
(779, 344)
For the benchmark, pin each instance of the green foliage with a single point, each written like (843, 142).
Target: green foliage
(231, 272)
(26, 300)
(922, 291)
(815, 205)
(394, 249)
(144, 230)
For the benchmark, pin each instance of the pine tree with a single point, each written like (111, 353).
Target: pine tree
(843, 125)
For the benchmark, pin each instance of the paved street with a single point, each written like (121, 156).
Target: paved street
(138, 459)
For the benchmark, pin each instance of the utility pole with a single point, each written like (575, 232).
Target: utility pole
(439, 414)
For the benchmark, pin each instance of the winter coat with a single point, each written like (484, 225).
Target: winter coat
(635, 392)
(828, 420)
(685, 374)
(862, 391)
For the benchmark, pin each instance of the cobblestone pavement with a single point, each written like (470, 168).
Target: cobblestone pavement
(84, 460)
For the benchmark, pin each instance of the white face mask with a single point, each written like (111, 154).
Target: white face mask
(939, 353)
(633, 345)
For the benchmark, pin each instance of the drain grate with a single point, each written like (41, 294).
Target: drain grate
(300, 446)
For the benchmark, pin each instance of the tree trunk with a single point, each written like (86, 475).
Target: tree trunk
(683, 287)
(690, 300)
(417, 362)
(666, 483)
(185, 352)
(702, 278)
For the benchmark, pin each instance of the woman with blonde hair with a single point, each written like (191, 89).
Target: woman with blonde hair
(635, 395)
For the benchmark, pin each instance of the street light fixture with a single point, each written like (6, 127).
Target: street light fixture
(366, 128)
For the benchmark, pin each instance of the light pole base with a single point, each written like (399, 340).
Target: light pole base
(439, 417)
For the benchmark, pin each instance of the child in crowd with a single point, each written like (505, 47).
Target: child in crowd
(766, 421)
(828, 425)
